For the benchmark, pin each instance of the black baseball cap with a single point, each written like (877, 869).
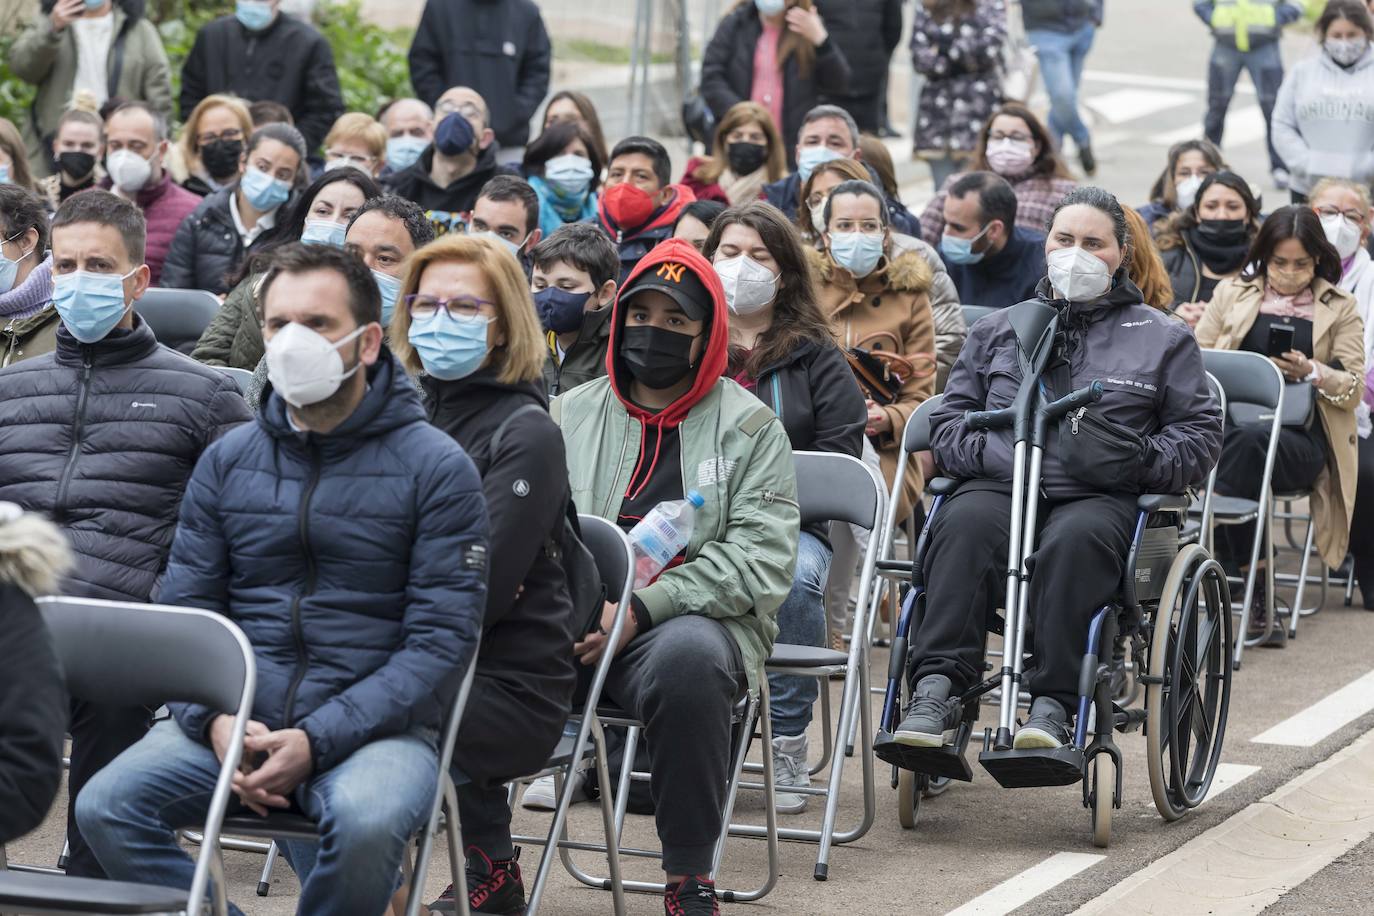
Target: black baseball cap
(677, 281)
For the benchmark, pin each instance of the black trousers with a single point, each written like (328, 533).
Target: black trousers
(1076, 568)
(1362, 522)
(1299, 460)
(681, 679)
(99, 734)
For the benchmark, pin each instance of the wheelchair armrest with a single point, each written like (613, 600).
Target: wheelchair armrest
(1163, 502)
(943, 486)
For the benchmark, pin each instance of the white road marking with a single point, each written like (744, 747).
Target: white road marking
(1023, 888)
(1247, 862)
(1133, 103)
(1323, 717)
(1228, 775)
(1243, 126)
(1243, 87)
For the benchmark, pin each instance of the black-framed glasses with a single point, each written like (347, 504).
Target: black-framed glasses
(232, 133)
(459, 308)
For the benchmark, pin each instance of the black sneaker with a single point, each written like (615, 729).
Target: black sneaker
(1047, 726)
(694, 896)
(931, 717)
(1089, 161)
(1266, 634)
(494, 886)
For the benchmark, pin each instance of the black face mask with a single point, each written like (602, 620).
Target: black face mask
(76, 165)
(1224, 231)
(221, 158)
(746, 158)
(1222, 244)
(654, 357)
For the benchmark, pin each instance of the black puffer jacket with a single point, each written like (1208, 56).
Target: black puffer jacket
(525, 675)
(727, 72)
(446, 208)
(207, 248)
(1151, 368)
(102, 438)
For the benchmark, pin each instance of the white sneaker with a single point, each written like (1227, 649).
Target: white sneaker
(539, 795)
(790, 769)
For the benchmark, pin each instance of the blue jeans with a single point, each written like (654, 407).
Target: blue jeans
(1061, 65)
(1266, 72)
(801, 622)
(368, 808)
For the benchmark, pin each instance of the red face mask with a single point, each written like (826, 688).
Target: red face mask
(628, 205)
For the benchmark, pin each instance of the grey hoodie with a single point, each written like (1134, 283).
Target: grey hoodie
(1324, 120)
(1149, 364)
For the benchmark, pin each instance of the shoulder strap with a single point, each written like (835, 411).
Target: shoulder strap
(501, 430)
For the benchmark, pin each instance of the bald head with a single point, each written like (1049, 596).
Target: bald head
(409, 117)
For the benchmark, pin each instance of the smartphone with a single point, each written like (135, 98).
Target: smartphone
(1281, 339)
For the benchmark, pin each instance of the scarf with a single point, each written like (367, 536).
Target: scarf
(557, 208)
(740, 189)
(1299, 305)
(1221, 257)
(31, 296)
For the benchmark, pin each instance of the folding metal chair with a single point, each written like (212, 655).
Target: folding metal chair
(178, 316)
(278, 826)
(129, 654)
(241, 377)
(1197, 527)
(834, 488)
(1250, 379)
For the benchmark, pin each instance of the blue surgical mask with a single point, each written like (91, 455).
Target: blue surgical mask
(403, 152)
(90, 304)
(94, 4)
(770, 7)
(4, 174)
(812, 156)
(569, 175)
(512, 247)
(450, 348)
(262, 190)
(560, 310)
(253, 15)
(856, 252)
(324, 232)
(9, 269)
(390, 288)
(960, 251)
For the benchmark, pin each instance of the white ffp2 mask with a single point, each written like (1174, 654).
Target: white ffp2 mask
(1077, 275)
(304, 366)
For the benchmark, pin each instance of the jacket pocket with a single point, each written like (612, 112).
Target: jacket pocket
(1104, 455)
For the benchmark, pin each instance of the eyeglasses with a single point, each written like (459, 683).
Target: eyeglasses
(466, 109)
(816, 199)
(1355, 216)
(459, 308)
(999, 135)
(232, 133)
(352, 158)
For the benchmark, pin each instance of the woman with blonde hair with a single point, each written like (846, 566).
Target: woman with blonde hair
(358, 140)
(468, 320)
(749, 153)
(1146, 270)
(212, 143)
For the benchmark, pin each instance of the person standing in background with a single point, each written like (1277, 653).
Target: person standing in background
(1247, 36)
(258, 54)
(1062, 33)
(108, 50)
(854, 27)
(499, 48)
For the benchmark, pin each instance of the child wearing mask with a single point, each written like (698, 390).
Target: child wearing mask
(574, 284)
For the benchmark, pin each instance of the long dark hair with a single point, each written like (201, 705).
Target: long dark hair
(553, 141)
(290, 228)
(1047, 163)
(1163, 190)
(1171, 234)
(1293, 222)
(587, 109)
(796, 316)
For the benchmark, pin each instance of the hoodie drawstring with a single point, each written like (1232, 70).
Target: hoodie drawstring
(653, 464)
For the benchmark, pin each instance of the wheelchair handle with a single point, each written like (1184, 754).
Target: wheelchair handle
(1089, 394)
(990, 419)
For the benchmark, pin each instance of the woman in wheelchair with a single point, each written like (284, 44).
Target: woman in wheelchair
(1156, 429)
(1286, 305)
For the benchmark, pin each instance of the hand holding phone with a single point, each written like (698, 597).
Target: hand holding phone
(1281, 339)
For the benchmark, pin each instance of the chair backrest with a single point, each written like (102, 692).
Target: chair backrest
(916, 434)
(611, 550)
(241, 377)
(838, 488)
(1245, 377)
(974, 312)
(127, 654)
(178, 316)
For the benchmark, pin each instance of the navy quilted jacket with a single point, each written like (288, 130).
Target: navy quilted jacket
(355, 562)
(101, 438)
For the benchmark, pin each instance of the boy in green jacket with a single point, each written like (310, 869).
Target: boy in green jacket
(662, 422)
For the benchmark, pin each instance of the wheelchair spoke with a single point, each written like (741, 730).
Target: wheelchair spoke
(1206, 637)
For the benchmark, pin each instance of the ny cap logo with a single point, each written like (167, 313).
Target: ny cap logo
(671, 272)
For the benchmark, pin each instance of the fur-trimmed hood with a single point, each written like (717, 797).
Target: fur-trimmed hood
(33, 552)
(905, 271)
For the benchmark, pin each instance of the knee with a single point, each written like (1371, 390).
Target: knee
(366, 823)
(106, 799)
(699, 676)
(813, 565)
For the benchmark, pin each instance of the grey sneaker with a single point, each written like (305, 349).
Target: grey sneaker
(790, 769)
(1046, 727)
(932, 717)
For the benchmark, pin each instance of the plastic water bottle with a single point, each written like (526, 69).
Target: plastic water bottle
(662, 534)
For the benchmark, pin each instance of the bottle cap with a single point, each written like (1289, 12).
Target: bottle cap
(695, 498)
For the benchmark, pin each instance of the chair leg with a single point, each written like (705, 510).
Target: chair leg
(265, 879)
(67, 848)
(610, 822)
(456, 860)
(219, 898)
(1302, 581)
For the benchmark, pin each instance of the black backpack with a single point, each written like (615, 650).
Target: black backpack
(565, 548)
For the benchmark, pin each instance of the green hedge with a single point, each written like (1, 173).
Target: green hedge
(371, 60)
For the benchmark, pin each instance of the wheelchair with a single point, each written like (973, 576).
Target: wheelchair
(1168, 630)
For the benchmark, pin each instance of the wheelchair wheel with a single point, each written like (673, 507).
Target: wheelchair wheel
(909, 789)
(1103, 788)
(1189, 690)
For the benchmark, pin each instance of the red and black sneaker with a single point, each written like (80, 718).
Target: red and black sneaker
(494, 886)
(694, 896)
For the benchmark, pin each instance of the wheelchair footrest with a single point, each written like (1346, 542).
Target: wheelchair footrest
(1034, 767)
(948, 761)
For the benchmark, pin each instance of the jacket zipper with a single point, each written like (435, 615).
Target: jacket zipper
(771, 496)
(303, 531)
(78, 428)
(1073, 420)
